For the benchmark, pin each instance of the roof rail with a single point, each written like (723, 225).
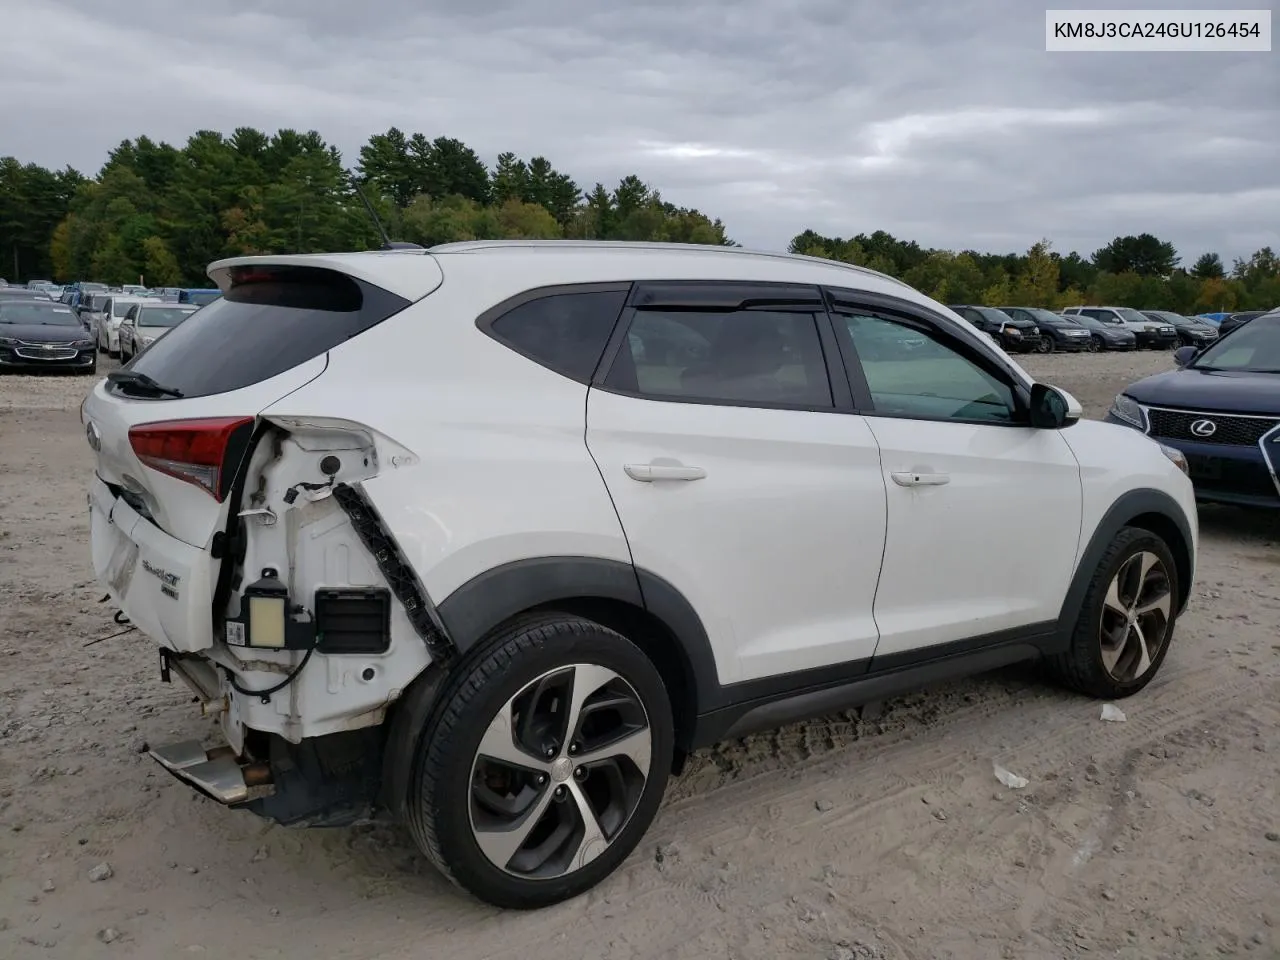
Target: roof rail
(480, 246)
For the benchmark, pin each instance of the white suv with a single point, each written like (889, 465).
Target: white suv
(492, 535)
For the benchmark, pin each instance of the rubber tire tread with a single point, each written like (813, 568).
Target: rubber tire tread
(490, 658)
(1080, 667)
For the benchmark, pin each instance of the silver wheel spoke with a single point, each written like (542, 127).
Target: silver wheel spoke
(501, 845)
(1162, 604)
(499, 743)
(1144, 656)
(1113, 601)
(587, 679)
(1146, 562)
(593, 842)
(638, 746)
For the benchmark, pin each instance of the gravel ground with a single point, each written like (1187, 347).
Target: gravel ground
(874, 835)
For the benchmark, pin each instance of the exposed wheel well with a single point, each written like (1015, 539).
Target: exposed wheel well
(1164, 527)
(658, 643)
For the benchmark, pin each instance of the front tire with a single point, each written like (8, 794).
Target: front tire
(1095, 345)
(545, 763)
(1127, 619)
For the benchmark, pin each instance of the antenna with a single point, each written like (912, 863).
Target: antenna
(387, 242)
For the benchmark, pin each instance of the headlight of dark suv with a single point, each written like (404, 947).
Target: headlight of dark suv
(1127, 409)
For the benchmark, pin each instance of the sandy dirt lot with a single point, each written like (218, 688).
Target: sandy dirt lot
(857, 836)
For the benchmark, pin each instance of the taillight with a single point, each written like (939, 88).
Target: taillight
(194, 450)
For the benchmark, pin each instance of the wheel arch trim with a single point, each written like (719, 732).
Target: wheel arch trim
(1148, 509)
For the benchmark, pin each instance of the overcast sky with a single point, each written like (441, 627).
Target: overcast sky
(943, 121)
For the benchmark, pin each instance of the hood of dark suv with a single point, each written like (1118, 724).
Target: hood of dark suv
(1225, 391)
(43, 332)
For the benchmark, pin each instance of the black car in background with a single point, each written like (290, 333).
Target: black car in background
(1015, 336)
(1192, 331)
(1238, 320)
(1106, 336)
(43, 335)
(1056, 332)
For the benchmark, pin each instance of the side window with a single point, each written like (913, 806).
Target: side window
(912, 375)
(566, 332)
(749, 357)
(132, 315)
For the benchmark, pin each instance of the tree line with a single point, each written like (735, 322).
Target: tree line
(162, 213)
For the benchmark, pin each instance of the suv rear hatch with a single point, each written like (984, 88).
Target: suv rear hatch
(173, 430)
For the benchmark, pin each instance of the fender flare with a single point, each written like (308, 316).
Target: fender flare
(1130, 506)
(492, 597)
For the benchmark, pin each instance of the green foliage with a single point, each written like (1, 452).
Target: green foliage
(1151, 278)
(164, 213)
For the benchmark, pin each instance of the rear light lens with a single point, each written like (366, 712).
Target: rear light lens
(193, 450)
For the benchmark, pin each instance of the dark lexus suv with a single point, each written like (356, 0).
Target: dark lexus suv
(1221, 408)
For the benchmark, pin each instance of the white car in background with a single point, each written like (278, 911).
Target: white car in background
(146, 322)
(492, 535)
(108, 321)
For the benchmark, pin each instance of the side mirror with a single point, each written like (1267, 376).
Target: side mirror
(1182, 356)
(1053, 409)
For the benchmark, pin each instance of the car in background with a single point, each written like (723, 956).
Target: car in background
(108, 329)
(134, 289)
(199, 297)
(1056, 331)
(1221, 408)
(1105, 335)
(38, 334)
(145, 323)
(1235, 320)
(91, 310)
(1015, 336)
(1149, 334)
(1192, 331)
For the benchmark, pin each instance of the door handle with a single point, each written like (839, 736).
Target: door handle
(649, 472)
(910, 478)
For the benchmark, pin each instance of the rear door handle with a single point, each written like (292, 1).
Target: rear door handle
(649, 472)
(910, 478)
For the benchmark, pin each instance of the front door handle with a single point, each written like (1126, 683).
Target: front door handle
(649, 472)
(910, 478)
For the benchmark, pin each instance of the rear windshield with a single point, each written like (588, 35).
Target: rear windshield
(269, 320)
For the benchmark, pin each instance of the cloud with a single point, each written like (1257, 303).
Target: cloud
(943, 121)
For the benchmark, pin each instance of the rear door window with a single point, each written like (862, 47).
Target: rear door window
(269, 320)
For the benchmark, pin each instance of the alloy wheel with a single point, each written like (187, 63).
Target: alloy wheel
(1094, 346)
(1045, 345)
(1136, 616)
(559, 772)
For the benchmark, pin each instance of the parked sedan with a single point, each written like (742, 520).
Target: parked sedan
(1221, 408)
(1105, 334)
(1016, 336)
(40, 334)
(146, 323)
(1056, 332)
(1192, 331)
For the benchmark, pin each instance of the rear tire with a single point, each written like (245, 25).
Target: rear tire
(525, 793)
(1126, 621)
(1045, 345)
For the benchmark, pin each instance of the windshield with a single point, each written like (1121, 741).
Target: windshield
(121, 307)
(1132, 315)
(93, 288)
(97, 302)
(1041, 315)
(37, 314)
(994, 315)
(1253, 348)
(162, 316)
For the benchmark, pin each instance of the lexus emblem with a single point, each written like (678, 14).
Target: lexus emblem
(94, 435)
(1203, 428)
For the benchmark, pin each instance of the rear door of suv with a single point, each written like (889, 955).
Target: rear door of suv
(171, 432)
(722, 426)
